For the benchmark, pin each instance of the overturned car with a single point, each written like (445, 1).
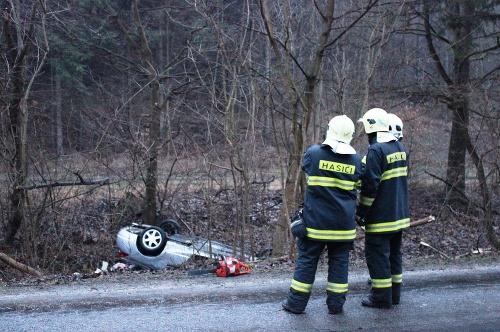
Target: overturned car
(155, 247)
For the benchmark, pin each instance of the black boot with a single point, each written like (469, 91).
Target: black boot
(335, 302)
(396, 293)
(286, 305)
(379, 298)
(368, 302)
(296, 302)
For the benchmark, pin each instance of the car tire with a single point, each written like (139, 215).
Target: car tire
(170, 226)
(265, 253)
(151, 241)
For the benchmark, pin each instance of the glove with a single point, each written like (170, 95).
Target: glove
(360, 220)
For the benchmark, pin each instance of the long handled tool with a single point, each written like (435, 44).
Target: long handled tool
(415, 223)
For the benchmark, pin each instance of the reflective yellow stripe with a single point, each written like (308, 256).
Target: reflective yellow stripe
(388, 226)
(336, 167)
(336, 288)
(368, 201)
(397, 278)
(320, 234)
(394, 173)
(301, 287)
(381, 283)
(325, 181)
(396, 156)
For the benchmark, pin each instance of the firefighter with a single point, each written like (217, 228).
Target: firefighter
(383, 209)
(396, 126)
(333, 169)
(396, 129)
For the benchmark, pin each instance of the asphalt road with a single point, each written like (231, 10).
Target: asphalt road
(466, 299)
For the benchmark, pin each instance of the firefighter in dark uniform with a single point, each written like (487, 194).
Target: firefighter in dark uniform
(333, 170)
(396, 126)
(383, 209)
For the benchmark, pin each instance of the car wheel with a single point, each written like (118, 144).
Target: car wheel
(265, 253)
(170, 226)
(151, 241)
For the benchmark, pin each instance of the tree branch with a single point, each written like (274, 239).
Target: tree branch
(368, 8)
(432, 49)
(81, 182)
(19, 266)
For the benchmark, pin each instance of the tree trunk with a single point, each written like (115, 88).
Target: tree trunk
(459, 102)
(58, 125)
(17, 107)
(301, 100)
(141, 46)
(485, 192)
(152, 156)
(17, 122)
(455, 172)
(460, 13)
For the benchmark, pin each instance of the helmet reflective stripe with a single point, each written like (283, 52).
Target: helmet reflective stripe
(375, 120)
(396, 125)
(341, 129)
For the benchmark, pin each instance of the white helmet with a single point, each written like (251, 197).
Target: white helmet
(340, 129)
(395, 126)
(375, 120)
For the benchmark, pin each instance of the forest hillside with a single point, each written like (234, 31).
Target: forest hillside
(113, 112)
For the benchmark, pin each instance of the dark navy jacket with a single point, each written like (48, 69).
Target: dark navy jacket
(330, 201)
(384, 198)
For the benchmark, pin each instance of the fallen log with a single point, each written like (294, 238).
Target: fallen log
(415, 223)
(19, 266)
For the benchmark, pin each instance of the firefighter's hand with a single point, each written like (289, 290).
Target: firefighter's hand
(360, 220)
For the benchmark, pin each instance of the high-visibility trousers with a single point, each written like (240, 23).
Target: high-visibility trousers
(305, 272)
(385, 263)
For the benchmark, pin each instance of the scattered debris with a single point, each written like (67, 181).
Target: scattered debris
(119, 267)
(231, 267)
(104, 267)
(481, 251)
(478, 251)
(428, 245)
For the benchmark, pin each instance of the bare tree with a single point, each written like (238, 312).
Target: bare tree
(228, 82)
(27, 48)
(137, 39)
(467, 29)
(302, 96)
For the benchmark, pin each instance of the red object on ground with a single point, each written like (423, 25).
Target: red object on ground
(231, 267)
